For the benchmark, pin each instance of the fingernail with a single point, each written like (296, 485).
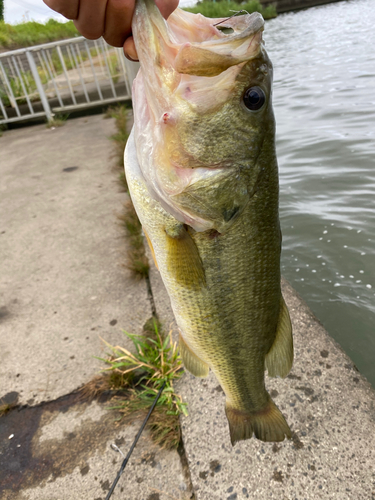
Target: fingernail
(130, 58)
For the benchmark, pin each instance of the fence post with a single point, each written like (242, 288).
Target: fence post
(39, 86)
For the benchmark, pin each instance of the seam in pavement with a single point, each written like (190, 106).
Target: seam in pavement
(150, 296)
(181, 447)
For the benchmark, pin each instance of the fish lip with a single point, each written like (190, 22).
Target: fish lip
(255, 28)
(258, 26)
(149, 25)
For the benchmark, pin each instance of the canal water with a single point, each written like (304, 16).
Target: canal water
(324, 101)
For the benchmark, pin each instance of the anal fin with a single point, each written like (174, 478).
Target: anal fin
(267, 424)
(192, 363)
(279, 359)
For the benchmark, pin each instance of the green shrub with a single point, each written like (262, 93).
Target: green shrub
(155, 360)
(224, 8)
(34, 33)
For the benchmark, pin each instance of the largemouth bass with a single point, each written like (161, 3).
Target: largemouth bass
(202, 173)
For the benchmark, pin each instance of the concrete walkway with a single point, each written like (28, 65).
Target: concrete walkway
(63, 283)
(63, 286)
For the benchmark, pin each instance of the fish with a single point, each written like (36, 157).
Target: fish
(202, 173)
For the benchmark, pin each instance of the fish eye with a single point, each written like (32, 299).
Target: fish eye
(254, 98)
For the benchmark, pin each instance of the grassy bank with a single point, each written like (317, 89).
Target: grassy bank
(32, 33)
(225, 9)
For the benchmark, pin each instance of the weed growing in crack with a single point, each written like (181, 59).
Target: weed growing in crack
(101, 384)
(154, 361)
(6, 407)
(57, 121)
(136, 259)
(121, 116)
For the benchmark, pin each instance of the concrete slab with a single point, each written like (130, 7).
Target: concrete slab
(61, 451)
(330, 408)
(63, 284)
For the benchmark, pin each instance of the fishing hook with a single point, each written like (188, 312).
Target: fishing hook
(236, 12)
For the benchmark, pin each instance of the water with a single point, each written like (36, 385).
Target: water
(324, 101)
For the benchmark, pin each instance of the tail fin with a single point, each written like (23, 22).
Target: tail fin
(267, 424)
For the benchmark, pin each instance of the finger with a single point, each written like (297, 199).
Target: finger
(166, 7)
(129, 49)
(91, 18)
(118, 21)
(68, 9)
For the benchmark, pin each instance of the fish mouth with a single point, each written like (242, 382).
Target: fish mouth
(193, 44)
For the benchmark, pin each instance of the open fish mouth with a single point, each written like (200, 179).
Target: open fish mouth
(192, 44)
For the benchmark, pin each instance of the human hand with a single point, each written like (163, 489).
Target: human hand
(108, 18)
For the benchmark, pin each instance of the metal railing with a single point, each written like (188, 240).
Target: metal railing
(62, 76)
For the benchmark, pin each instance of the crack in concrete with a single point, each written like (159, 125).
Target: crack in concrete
(181, 448)
(150, 295)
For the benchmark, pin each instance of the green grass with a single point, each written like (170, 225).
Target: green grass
(121, 116)
(57, 121)
(136, 259)
(136, 378)
(155, 360)
(15, 83)
(34, 33)
(114, 67)
(224, 8)
(5, 408)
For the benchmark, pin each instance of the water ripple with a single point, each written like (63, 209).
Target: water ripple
(324, 101)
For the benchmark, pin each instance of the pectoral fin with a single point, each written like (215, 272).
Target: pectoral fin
(192, 363)
(183, 260)
(279, 358)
